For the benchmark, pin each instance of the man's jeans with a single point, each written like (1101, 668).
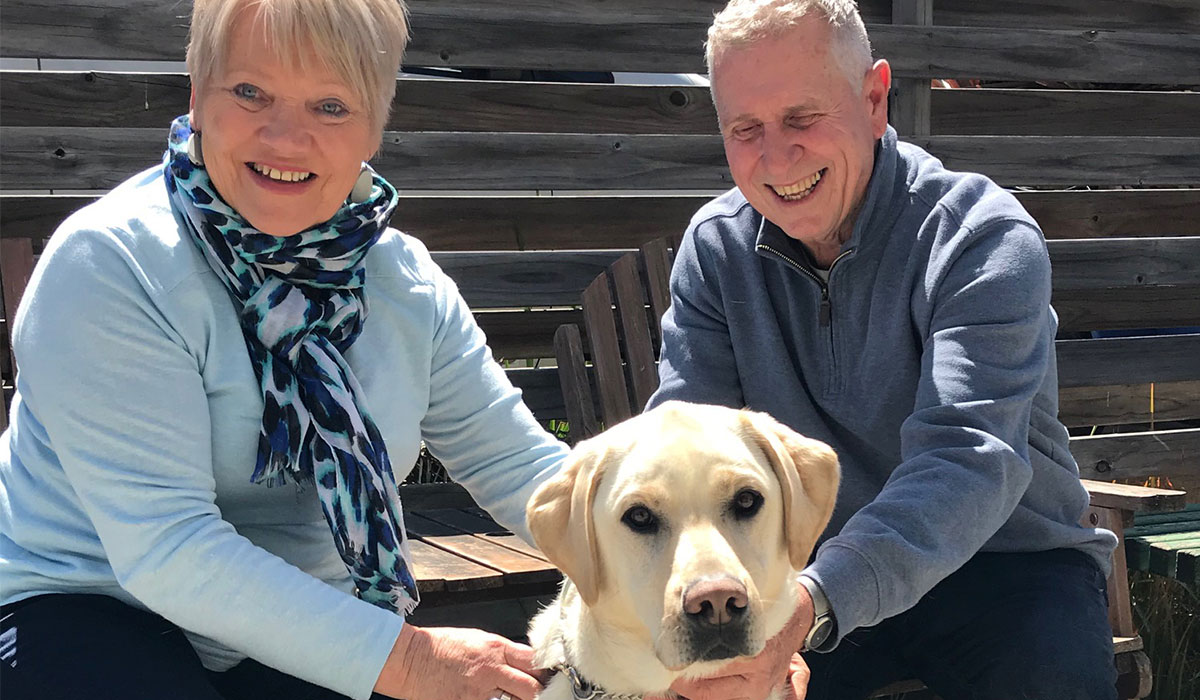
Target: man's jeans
(1004, 626)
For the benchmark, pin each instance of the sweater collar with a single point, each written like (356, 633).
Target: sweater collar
(876, 204)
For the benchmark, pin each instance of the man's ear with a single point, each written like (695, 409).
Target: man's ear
(876, 84)
(559, 515)
(808, 473)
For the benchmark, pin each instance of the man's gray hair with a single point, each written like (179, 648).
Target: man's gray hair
(361, 41)
(744, 22)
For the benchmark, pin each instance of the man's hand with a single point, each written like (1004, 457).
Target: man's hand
(754, 678)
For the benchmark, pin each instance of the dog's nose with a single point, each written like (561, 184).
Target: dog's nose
(716, 602)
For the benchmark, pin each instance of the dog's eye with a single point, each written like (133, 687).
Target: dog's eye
(640, 519)
(746, 503)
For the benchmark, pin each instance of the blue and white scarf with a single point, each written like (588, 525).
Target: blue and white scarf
(302, 306)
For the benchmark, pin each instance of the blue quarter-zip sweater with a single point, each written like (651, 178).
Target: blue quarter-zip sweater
(927, 362)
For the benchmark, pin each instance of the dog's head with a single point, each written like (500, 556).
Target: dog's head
(685, 525)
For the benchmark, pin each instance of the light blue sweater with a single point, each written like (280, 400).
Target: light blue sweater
(927, 363)
(126, 469)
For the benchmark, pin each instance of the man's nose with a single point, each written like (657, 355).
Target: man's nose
(780, 151)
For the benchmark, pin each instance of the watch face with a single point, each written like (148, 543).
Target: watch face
(819, 633)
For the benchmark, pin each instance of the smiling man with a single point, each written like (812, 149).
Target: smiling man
(864, 295)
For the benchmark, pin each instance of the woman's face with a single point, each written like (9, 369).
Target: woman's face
(282, 145)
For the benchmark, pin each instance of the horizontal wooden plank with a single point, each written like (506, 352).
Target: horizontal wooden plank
(626, 35)
(103, 99)
(67, 158)
(471, 522)
(1108, 56)
(582, 222)
(516, 567)
(1122, 404)
(524, 334)
(1137, 360)
(1138, 455)
(1115, 213)
(1136, 499)
(438, 570)
(529, 278)
(151, 100)
(1074, 160)
(1159, 15)
(1063, 112)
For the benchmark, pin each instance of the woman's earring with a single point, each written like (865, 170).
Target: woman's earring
(194, 153)
(362, 186)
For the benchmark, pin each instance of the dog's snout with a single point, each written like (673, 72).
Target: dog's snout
(716, 602)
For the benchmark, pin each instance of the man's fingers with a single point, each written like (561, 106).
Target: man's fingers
(798, 675)
(519, 656)
(712, 688)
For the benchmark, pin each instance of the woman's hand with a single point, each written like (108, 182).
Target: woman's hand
(432, 663)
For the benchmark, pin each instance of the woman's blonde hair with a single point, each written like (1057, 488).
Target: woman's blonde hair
(361, 41)
(743, 22)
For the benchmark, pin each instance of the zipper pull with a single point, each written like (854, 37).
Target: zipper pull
(825, 309)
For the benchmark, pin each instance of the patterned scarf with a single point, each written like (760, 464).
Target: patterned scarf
(302, 306)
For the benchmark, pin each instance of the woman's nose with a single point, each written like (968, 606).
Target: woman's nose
(286, 128)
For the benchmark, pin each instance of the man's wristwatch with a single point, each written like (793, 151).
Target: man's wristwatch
(824, 623)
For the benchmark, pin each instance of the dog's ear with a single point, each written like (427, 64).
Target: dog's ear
(560, 518)
(808, 472)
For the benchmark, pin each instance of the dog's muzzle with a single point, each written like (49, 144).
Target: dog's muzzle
(717, 619)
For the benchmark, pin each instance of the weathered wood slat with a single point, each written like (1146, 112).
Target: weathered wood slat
(1135, 499)
(1033, 54)
(437, 570)
(606, 353)
(583, 222)
(1166, 358)
(1064, 112)
(575, 381)
(529, 278)
(1079, 160)
(65, 158)
(1159, 15)
(465, 520)
(102, 99)
(1137, 455)
(151, 100)
(639, 355)
(516, 566)
(626, 35)
(1115, 213)
(1122, 404)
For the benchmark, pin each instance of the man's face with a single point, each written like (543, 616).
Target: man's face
(799, 136)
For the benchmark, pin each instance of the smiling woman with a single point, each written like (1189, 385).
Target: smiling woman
(284, 135)
(221, 301)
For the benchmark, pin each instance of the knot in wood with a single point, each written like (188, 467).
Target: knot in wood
(1103, 466)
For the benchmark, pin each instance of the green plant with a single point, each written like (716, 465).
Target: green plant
(1168, 618)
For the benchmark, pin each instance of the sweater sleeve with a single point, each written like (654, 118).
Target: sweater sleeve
(122, 399)
(476, 423)
(697, 358)
(964, 447)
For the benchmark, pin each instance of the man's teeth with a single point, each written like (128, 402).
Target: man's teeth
(798, 190)
(282, 175)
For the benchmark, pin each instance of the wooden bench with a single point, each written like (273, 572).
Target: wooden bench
(1110, 174)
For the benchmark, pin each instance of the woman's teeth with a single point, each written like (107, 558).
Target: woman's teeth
(281, 175)
(799, 190)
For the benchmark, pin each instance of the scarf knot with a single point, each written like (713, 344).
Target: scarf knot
(301, 306)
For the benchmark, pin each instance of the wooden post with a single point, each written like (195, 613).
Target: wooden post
(909, 104)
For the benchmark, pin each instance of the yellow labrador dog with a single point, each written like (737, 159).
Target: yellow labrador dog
(680, 532)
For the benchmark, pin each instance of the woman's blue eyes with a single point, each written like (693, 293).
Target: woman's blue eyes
(250, 93)
(333, 109)
(246, 91)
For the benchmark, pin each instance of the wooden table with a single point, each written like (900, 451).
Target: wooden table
(461, 555)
